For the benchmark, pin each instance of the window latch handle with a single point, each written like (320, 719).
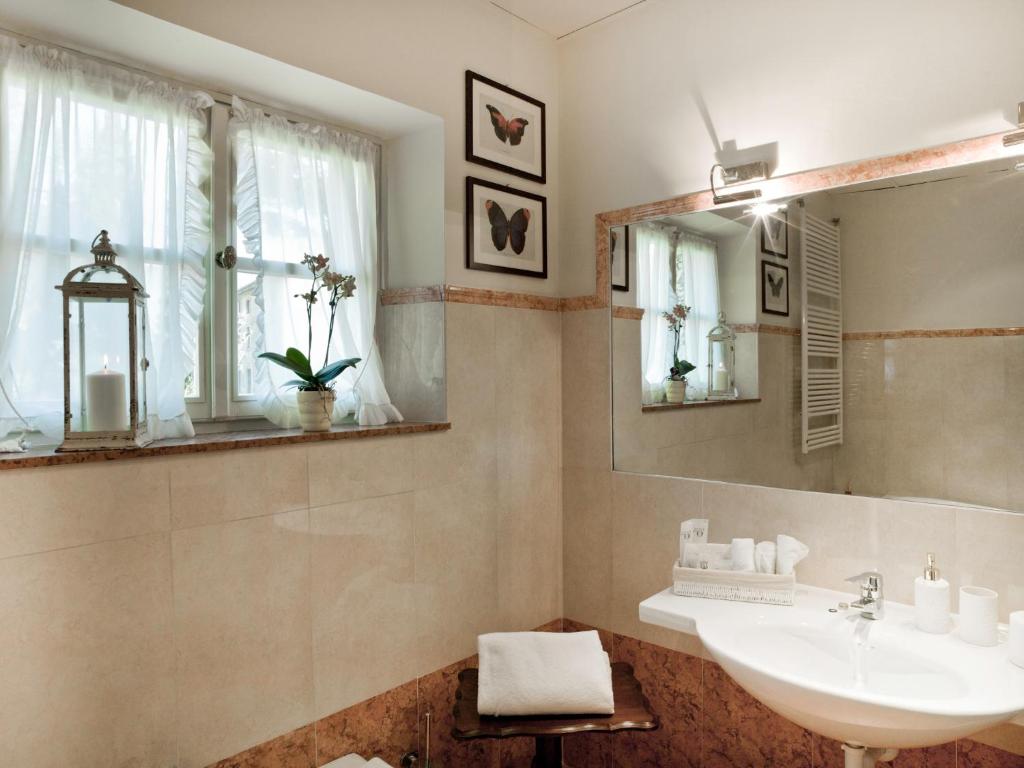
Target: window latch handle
(227, 258)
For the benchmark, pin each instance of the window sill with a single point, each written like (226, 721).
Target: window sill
(222, 441)
(655, 407)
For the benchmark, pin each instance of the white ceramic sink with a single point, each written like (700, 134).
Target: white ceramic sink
(908, 689)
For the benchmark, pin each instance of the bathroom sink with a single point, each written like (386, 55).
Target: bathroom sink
(868, 683)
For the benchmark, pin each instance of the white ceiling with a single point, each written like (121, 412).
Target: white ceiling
(561, 17)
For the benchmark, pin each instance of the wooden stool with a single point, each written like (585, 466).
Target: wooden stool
(632, 713)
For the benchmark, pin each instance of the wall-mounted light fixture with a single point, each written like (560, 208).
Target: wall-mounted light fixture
(738, 174)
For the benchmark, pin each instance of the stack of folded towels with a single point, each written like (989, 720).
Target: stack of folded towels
(779, 556)
(544, 673)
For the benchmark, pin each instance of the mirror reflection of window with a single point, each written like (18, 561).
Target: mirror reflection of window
(675, 266)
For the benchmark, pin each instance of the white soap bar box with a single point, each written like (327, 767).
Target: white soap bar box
(742, 586)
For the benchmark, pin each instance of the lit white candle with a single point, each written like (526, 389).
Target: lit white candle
(721, 378)
(105, 405)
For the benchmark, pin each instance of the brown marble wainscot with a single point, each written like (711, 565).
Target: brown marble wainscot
(707, 721)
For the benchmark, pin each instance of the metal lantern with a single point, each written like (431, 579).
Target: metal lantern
(722, 361)
(105, 363)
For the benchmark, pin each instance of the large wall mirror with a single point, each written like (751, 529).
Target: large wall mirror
(864, 339)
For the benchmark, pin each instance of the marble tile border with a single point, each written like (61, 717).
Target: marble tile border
(656, 407)
(690, 693)
(215, 442)
(422, 295)
(936, 333)
(627, 313)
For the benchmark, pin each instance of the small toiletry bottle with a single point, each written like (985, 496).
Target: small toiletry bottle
(931, 600)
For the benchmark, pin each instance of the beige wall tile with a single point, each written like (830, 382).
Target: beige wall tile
(988, 555)
(587, 545)
(470, 363)
(54, 507)
(586, 391)
(242, 624)
(88, 656)
(456, 568)
(218, 487)
(646, 513)
(528, 414)
(364, 600)
(349, 470)
(907, 532)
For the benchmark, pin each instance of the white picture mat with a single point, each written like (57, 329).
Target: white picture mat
(524, 157)
(484, 252)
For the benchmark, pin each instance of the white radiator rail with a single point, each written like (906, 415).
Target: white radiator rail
(821, 339)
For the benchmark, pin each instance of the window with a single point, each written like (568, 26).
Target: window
(85, 145)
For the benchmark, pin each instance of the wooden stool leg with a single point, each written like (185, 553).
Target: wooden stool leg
(548, 753)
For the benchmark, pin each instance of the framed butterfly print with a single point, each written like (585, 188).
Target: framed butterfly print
(774, 289)
(618, 248)
(505, 129)
(775, 234)
(506, 229)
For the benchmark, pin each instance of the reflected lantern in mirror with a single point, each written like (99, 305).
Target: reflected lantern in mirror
(105, 362)
(722, 361)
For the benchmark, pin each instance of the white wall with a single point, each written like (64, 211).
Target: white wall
(416, 53)
(830, 81)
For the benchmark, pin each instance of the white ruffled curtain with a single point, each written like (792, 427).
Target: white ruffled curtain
(310, 189)
(655, 295)
(696, 264)
(86, 146)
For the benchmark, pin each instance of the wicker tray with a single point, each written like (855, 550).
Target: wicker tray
(733, 585)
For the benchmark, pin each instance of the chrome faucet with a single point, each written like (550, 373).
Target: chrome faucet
(872, 601)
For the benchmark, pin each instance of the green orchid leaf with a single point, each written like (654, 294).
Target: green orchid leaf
(289, 364)
(300, 360)
(332, 371)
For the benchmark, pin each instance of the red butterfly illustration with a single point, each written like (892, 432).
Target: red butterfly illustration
(507, 130)
(505, 230)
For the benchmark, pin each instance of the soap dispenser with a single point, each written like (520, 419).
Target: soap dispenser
(931, 600)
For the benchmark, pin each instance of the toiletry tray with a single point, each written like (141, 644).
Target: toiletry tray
(733, 585)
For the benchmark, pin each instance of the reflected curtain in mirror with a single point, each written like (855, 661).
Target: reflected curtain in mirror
(696, 266)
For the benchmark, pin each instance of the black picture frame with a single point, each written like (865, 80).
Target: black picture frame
(766, 246)
(766, 287)
(471, 261)
(471, 152)
(625, 254)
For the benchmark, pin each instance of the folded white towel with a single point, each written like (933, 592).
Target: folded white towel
(717, 557)
(544, 673)
(764, 557)
(789, 552)
(742, 551)
(348, 761)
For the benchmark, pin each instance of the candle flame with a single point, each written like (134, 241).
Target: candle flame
(106, 362)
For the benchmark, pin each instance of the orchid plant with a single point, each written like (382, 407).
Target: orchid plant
(676, 320)
(335, 287)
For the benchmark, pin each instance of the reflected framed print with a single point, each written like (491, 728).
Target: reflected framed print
(775, 234)
(774, 289)
(618, 249)
(505, 130)
(506, 229)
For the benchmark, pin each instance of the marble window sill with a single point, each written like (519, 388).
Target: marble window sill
(209, 443)
(655, 407)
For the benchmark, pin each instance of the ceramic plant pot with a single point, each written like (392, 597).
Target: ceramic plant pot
(675, 390)
(315, 409)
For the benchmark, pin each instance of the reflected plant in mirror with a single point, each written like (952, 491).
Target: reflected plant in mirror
(675, 384)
